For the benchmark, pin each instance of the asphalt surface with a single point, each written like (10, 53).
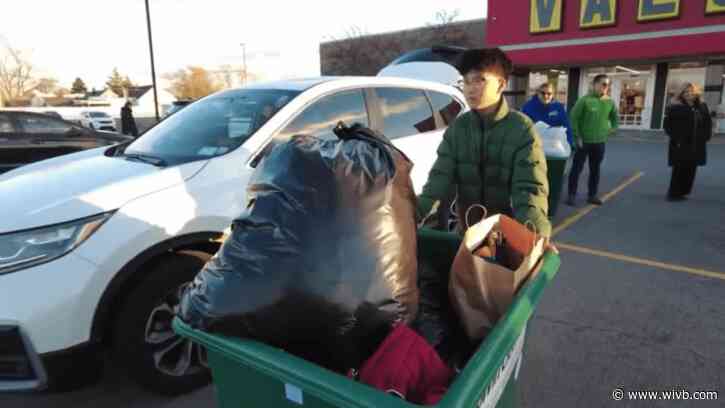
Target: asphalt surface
(604, 323)
(142, 124)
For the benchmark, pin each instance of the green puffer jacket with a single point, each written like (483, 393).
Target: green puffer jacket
(514, 167)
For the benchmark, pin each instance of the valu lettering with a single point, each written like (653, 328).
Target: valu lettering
(547, 15)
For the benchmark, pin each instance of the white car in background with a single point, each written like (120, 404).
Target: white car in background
(98, 121)
(94, 246)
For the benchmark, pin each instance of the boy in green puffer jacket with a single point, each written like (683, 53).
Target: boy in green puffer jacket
(593, 119)
(491, 153)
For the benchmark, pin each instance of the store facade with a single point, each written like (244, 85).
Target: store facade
(648, 47)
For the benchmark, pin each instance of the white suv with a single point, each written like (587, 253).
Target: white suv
(98, 120)
(95, 245)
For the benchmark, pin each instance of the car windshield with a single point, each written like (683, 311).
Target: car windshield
(98, 115)
(210, 127)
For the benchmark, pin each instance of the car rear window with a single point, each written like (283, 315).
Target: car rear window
(321, 117)
(446, 106)
(405, 111)
(40, 124)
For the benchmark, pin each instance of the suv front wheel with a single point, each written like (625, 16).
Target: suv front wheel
(144, 342)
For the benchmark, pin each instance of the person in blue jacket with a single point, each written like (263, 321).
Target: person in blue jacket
(542, 107)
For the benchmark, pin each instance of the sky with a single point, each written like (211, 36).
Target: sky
(88, 38)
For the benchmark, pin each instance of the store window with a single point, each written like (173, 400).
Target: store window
(557, 77)
(680, 74)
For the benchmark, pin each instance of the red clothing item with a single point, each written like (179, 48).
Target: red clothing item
(407, 366)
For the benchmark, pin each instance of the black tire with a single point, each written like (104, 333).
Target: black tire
(132, 344)
(90, 126)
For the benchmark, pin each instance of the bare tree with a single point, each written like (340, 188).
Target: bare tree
(126, 83)
(118, 83)
(192, 83)
(61, 92)
(359, 53)
(445, 17)
(230, 76)
(443, 31)
(46, 85)
(15, 75)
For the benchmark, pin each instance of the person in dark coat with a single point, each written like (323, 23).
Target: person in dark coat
(689, 125)
(128, 123)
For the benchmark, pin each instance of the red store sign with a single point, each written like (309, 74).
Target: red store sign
(570, 32)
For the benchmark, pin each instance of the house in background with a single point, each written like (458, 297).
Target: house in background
(103, 94)
(142, 98)
(70, 106)
(103, 97)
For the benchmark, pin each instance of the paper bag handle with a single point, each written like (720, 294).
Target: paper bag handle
(534, 230)
(468, 212)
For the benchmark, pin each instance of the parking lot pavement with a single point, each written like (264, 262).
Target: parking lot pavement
(648, 322)
(641, 309)
(113, 391)
(142, 124)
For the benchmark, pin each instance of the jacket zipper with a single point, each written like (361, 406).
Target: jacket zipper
(693, 147)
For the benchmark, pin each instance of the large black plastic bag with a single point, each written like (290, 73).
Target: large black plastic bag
(324, 255)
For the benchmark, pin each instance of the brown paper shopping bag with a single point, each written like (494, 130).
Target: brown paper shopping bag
(496, 257)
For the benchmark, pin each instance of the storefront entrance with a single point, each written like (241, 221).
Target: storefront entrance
(631, 101)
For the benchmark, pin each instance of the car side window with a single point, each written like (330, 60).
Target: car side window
(6, 125)
(33, 124)
(320, 118)
(446, 105)
(406, 112)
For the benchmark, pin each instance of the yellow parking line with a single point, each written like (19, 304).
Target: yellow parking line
(586, 210)
(641, 261)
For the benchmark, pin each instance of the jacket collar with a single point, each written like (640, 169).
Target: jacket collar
(594, 95)
(499, 114)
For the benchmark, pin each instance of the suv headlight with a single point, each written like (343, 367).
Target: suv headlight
(23, 249)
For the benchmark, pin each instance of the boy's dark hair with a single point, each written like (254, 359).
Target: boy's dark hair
(599, 78)
(485, 59)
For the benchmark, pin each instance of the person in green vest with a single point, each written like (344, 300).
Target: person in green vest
(593, 118)
(492, 153)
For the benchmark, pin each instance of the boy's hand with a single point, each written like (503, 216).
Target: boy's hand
(549, 246)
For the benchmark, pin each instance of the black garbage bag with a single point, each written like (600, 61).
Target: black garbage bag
(436, 320)
(432, 321)
(323, 258)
